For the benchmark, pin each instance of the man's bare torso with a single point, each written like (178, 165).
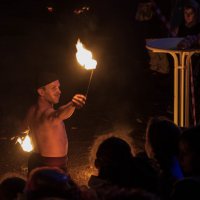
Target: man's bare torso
(49, 137)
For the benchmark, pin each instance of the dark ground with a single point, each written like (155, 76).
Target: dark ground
(124, 92)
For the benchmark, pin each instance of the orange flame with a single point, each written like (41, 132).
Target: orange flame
(25, 142)
(84, 57)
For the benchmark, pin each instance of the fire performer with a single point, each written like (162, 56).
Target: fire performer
(46, 125)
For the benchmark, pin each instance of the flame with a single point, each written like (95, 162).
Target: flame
(50, 9)
(84, 57)
(81, 10)
(25, 143)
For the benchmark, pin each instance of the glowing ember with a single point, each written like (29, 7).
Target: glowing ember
(81, 10)
(50, 9)
(25, 143)
(84, 57)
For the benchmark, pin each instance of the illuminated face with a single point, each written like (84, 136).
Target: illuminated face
(189, 15)
(52, 92)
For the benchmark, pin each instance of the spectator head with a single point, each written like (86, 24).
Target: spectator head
(191, 12)
(11, 186)
(162, 139)
(112, 151)
(114, 161)
(51, 182)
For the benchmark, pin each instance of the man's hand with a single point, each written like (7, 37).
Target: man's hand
(78, 100)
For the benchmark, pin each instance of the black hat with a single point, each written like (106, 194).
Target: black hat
(45, 78)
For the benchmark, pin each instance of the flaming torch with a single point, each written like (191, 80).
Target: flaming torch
(25, 142)
(84, 57)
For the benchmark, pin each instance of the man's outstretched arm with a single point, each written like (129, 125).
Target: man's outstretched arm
(65, 111)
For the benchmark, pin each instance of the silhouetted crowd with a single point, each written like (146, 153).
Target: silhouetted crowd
(169, 168)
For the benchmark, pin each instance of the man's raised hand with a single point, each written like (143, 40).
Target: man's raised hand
(79, 100)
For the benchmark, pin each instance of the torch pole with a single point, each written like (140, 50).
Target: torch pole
(91, 74)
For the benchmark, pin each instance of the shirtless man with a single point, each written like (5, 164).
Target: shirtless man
(46, 125)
